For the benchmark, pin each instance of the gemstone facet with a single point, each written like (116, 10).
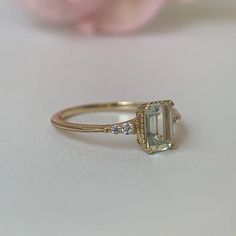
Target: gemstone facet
(159, 126)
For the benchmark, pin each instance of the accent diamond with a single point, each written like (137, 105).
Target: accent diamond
(127, 128)
(115, 129)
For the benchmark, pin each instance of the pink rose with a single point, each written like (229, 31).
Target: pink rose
(97, 16)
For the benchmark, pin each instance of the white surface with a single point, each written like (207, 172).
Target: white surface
(57, 184)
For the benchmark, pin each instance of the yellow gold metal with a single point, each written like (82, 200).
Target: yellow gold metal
(60, 119)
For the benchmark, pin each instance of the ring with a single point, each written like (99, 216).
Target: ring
(153, 123)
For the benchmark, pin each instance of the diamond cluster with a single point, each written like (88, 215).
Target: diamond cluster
(126, 128)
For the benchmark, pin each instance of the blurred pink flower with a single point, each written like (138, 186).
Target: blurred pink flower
(97, 16)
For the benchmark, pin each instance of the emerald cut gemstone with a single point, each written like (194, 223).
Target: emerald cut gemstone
(159, 126)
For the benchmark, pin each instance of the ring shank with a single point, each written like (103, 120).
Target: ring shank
(59, 120)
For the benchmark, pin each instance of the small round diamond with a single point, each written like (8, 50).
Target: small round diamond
(127, 128)
(115, 129)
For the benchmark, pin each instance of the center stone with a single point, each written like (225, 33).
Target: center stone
(159, 126)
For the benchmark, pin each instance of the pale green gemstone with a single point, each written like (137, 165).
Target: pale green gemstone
(159, 126)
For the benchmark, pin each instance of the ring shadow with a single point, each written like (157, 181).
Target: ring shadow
(121, 141)
(178, 16)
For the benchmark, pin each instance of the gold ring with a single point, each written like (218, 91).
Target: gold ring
(153, 123)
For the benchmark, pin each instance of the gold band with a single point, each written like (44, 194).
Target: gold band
(59, 120)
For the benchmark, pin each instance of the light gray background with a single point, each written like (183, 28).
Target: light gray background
(52, 183)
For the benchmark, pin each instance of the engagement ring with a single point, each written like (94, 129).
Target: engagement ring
(153, 123)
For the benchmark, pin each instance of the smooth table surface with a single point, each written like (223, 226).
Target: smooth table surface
(55, 183)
